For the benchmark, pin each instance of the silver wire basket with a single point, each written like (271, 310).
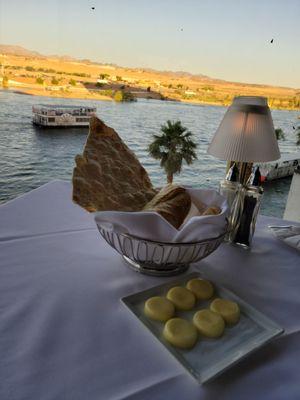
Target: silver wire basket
(159, 258)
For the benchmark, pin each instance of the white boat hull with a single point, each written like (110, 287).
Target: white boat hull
(282, 168)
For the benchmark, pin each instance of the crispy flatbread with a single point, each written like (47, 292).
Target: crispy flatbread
(108, 175)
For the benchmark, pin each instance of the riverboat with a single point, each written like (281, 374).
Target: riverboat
(281, 168)
(62, 115)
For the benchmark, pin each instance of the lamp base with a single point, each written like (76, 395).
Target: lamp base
(244, 215)
(242, 245)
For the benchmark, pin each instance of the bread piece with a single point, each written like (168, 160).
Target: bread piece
(212, 210)
(172, 202)
(108, 175)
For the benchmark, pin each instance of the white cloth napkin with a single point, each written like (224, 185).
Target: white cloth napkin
(288, 234)
(151, 225)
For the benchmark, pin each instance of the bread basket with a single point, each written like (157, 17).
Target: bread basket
(159, 258)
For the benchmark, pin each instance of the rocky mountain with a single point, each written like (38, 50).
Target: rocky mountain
(21, 51)
(18, 51)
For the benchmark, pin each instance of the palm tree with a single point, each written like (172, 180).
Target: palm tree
(280, 135)
(174, 145)
(298, 136)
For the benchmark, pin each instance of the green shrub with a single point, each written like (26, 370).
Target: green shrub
(298, 136)
(104, 76)
(279, 134)
(54, 81)
(39, 80)
(72, 82)
(128, 96)
(118, 96)
(108, 93)
(208, 88)
(121, 95)
(5, 81)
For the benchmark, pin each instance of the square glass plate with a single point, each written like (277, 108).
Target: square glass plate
(209, 357)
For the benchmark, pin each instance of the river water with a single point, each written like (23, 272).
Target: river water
(30, 156)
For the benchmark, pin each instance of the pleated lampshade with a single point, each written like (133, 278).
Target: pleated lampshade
(246, 133)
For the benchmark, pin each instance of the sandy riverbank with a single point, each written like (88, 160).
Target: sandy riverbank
(96, 96)
(65, 94)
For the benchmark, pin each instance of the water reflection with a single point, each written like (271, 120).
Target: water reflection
(275, 196)
(31, 156)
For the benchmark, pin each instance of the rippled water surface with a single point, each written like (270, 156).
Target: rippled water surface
(30, 156)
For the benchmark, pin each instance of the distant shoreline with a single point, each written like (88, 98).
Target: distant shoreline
(81, 79)
(34, 92)
(88, 96)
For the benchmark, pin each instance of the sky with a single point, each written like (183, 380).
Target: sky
(225, 39)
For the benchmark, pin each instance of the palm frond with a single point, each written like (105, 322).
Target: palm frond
(174, 145)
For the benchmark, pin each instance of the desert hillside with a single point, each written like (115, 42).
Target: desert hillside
(32, 73)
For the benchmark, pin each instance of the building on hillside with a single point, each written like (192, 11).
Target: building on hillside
(190, 93)
(129, 80)
(104, 81)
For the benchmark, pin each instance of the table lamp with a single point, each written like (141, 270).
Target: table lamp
(245, 135)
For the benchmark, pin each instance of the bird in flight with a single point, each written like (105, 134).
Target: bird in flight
(93, 8)
(272, 40)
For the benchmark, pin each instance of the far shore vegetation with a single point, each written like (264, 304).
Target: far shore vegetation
(84, 79)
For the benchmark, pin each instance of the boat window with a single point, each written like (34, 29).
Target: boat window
(82, 119)
(51, 119)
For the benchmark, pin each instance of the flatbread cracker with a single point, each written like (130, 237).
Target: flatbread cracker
(108, 175)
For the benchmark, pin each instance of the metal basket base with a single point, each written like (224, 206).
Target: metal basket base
(147, 269)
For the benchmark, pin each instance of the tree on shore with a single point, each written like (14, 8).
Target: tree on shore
(172, 147)
(121, 95)
(298, 136)
(280, 135)
(118, 96)
(54, 81)
(104, 76)
(39, 80)
(5, 82)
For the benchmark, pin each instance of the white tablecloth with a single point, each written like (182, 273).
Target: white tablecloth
(65, 335)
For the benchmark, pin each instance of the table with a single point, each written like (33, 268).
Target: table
(65, 335)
